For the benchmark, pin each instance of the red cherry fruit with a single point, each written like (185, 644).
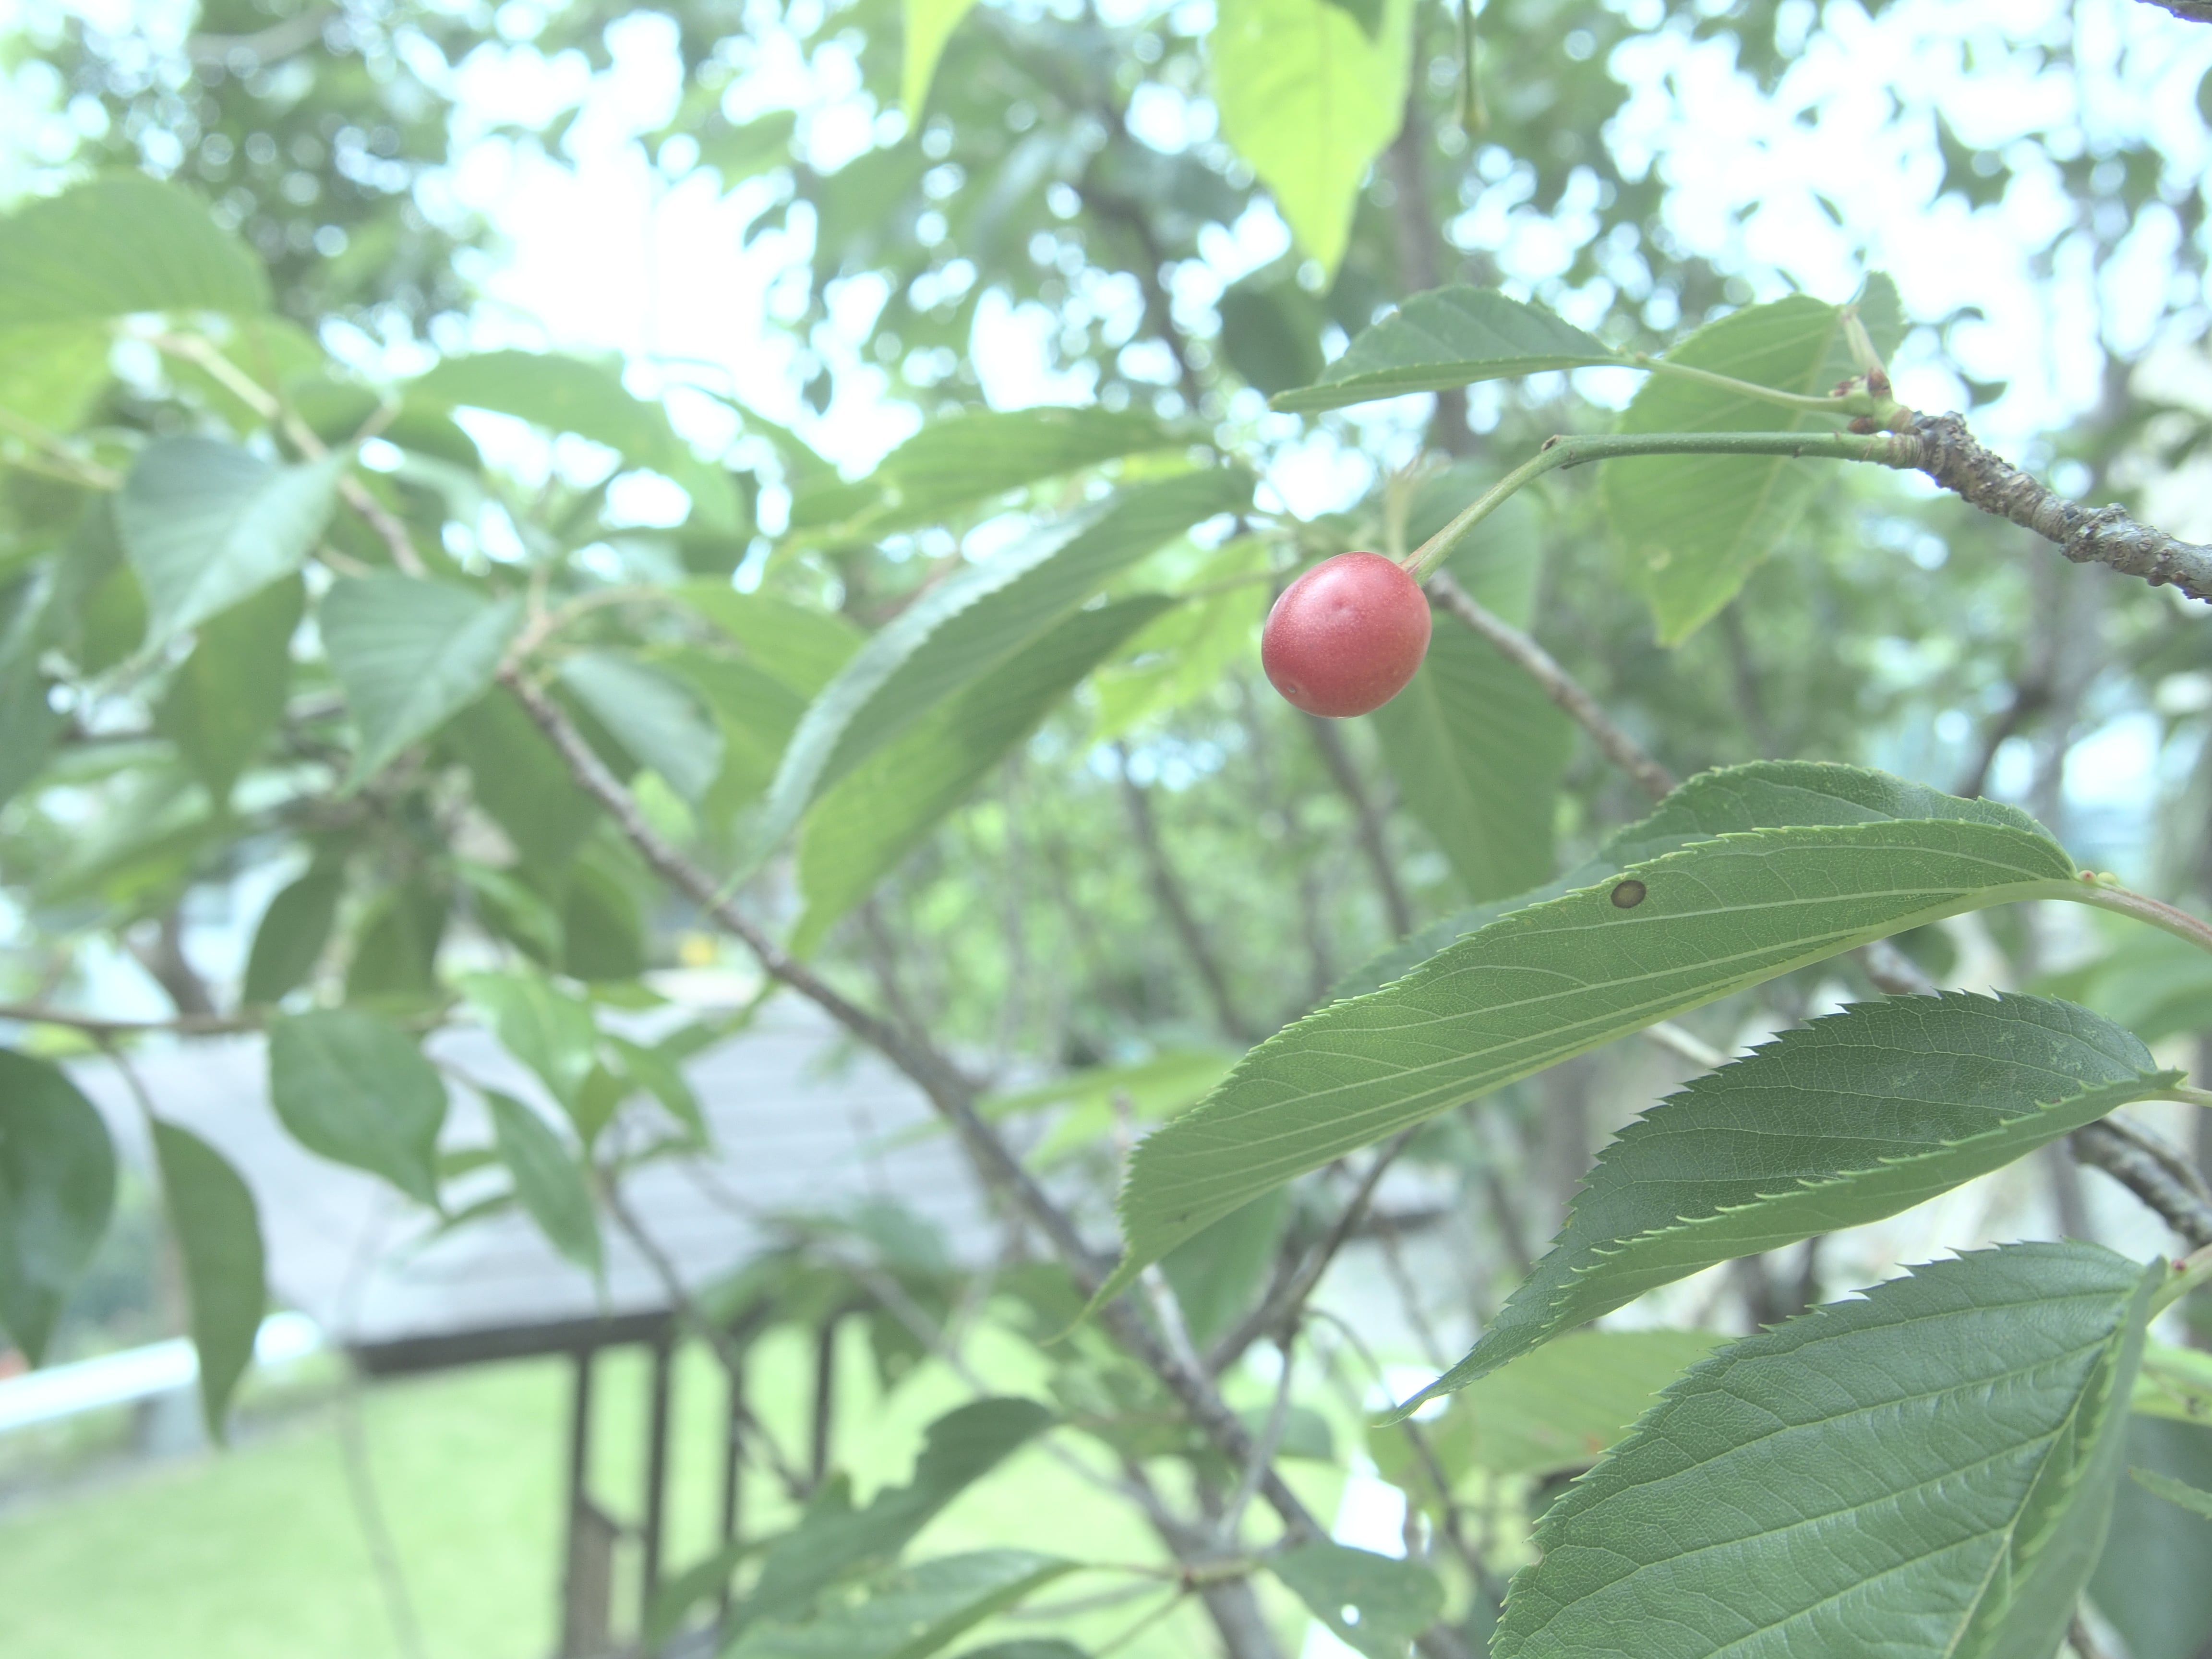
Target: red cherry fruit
(1345, 637)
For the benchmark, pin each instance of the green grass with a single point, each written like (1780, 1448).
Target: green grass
(258, 1553)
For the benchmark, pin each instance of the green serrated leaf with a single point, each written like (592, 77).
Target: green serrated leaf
(859, 831)
(353, 1088)
(409, 654)
(1450, 337)
(834, 1542)
(1785, 864)
(218, 1236)
(547, 1028)
(548, 1180)
(967, 459)
(227, 696)
(1374, 1602)
(1478, 750)
(56, 1193)
(1854, 1117)
(206, 525)
(911, 1614)
(1310, 99)
(1692, 527)
(976, 619)
(1842, 1484)
(803, 648)
(121, 244)
(653, 716)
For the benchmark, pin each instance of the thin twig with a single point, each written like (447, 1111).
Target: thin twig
(1281, 1310)
(1168, 889)
(97, 1026)
(2153, 1171)
(1369, 822)
(1540, 665)
(1263, 1451)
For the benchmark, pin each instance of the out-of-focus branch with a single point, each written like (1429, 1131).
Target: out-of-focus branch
(1167, 888)
(1540, 665)
(1369, 822)
(2154, 1172)
(2193, 11)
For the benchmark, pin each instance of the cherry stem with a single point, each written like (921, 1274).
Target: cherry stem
(1880, 448)
(2108, 895)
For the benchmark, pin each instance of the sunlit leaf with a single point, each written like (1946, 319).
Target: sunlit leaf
(1309, 101)
(651, 715)
(119, 244)
(965, 460)
(929, 24)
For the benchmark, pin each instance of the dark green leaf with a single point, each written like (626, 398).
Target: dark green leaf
(520, 780)
(1824, 857)
(228, 694)
(1219, 1275)
(395, 955)
(1854, 1117)
(977, 618)
(970, 458)
(1377, 1604)
(654, 717)
(356, 1089)
(409, 654)
(909, 1614)
(1926, 1471)
(1031, 1647)
(858, 831)
(1271, 334)
(118, 244)
(602, 935)
(1478, 750)
(294, 931)
(834, 1542)
(1451, 336)
(206, 525)
(218, 1238)
(548, 1179)
(57, 1192)
(29, 724)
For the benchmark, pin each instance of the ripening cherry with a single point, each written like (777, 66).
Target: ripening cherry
(1346, 636)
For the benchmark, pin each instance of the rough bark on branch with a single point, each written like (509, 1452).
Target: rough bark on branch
(1952, 457)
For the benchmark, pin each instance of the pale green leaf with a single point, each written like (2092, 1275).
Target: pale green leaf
(121, 244)
(2154, 1583)
(354, 1088)
(53, 374)
(1186, 654)
(1478, 750)
(834, 1542)
(654, 717)
(57, 1192)
(227, 696)
(1692, 527)
(1374, 1602)
(1310, 100)
(217, 1233)
(860, 830)
(911, 1614)
(547, 1028)
(1450, 337)
(291, 934)
(929, 25)
(2180, 1493)
(1556, 1410)
(548, 1180)
(1800, 861)
(966, 460)
(801, 648)
(206, 525)
(566, 394)
(1924, 1472)
(978, 617)
(746, 149)
(1852, 1118)
(409, 654)
(519, 780)
(756, 714)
